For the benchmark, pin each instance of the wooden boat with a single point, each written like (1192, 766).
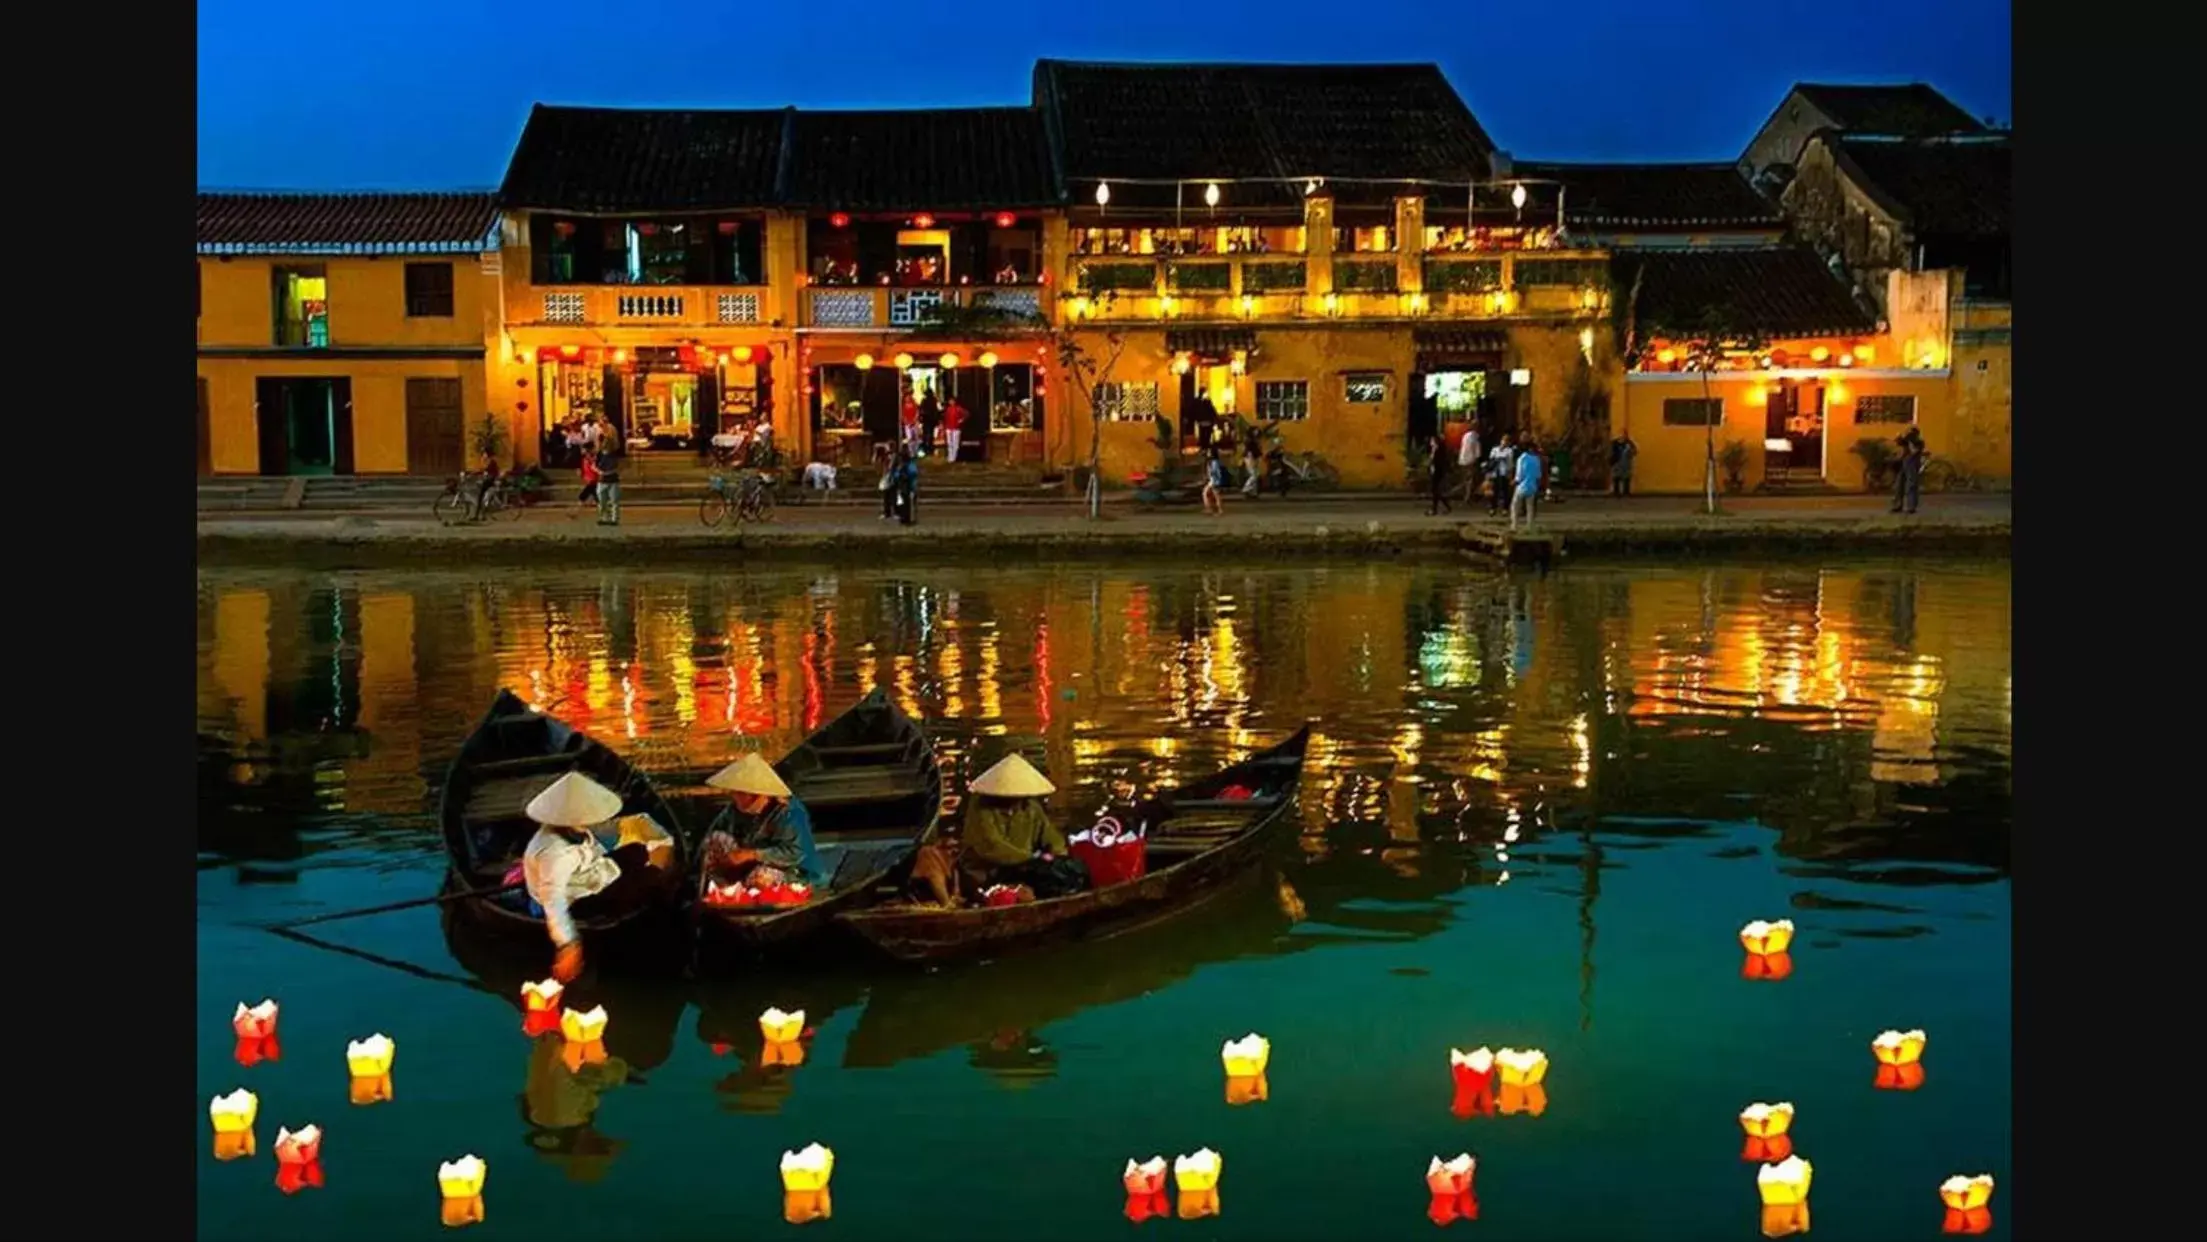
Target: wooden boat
(513, 754)
(1202, 843)
(871, 784)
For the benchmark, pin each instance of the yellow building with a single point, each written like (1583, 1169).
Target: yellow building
(343, 334)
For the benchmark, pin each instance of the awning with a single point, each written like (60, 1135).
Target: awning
(1468, 348)
(1214, 344)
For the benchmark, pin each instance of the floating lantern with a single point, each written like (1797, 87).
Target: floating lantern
(1899, 1047)
(1786, 1182)
(370, 1057)
(1767, 938)
(540, 997)
(1471, 1069)
(864, 362)
(1767, 1137)
(779, 1027)
(1141, 1207)
(1784, 1219)
(1144, 1178)
(809, 1169)
(1528, 1098)
(1522, 1069)
(1197, 1204)
(788, 1052)
(255, 1022)
(1246, 1057)
(234, 1113)
(1967, 1200)
(1450, 1177)
(1767, 966)
(1247, 1089)
(254, 1049)
(460, 1182)
(987, 358)
(801, 1207)
(583, 1026)
(298, 1159)
(1197, 1172)
(904, 362)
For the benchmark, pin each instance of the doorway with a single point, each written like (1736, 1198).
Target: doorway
(1793, 432)
(435, 437)
(305, 426)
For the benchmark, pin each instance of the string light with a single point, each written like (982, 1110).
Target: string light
(1210, 195)
(1103, 194)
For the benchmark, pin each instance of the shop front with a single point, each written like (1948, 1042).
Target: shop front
(663, 399)
(1460, 383)
(857, 396)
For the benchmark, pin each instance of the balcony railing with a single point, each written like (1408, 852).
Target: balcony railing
(890, 307)
(1122, 288)
(607, 306)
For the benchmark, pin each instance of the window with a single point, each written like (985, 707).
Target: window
(1283, 400)
(1693, 412)
(301, 297)
(1127, 401)
(1885, 409)
(1365, 387)
(429, 291)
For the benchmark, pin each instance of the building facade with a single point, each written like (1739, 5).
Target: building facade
(343, 333)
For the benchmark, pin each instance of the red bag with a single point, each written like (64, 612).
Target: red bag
(1112, 852)
(1236, 793)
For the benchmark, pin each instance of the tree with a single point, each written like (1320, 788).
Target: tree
(1703, 338)
(1088, 374)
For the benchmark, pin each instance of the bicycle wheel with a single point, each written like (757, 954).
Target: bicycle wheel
(450, 508)
(713, 510)
(501, 504)
(762, 505)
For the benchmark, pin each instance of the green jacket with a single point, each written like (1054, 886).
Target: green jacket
(1009, 831)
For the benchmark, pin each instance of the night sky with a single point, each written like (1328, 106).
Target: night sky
(429, 94)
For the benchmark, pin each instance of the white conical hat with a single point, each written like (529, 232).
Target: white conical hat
(1012, 777)
(751, 775)
(574, 801)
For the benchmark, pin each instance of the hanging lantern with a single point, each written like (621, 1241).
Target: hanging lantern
(234, 1113)
(1103, 194)
(839, 220)
(460, 1183)
(1180, 364)
(809, 1169)
(1196, 1204)
(1522, 1068)
(779, 1027)
(949, 362)
(923, 221)
(1967, 1202)
(1767, 938)
(801, 1207)
(1005, 219)
(1767, 966)
(741, 353)
(1246, 1057)
(254, 1022)
(1197, 1172)
(583, 1026)
(1450, 1177)
(542, 997)
(1246, 1089)
(1517, 195)
(298, 1159)
(864, 362)
(1767, 1138)
(904, 362)
(1144, 1178)
(1210, 195)
(987, 358)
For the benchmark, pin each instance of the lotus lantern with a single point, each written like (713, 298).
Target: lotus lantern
(1198, 1171)
(781, 1028)
(1246, 1057)
(583, 1026)
(370, 1057)
(1522, 1069)
(255, 1021)
(1450, 1177)
(462, 1178)
(1767, 938)
(1967, 1202)
(808, 1169)
(301, 1146)
(1899, 1047)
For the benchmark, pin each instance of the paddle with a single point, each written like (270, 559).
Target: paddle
(409, 904)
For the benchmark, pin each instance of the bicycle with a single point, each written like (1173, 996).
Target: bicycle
(1285, 471)
(748, 498)
(457, 504)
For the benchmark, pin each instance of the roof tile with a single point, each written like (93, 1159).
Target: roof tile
(1656, 196)
(1778, 292)
(922, 158)
(633, 159)
(337, 223)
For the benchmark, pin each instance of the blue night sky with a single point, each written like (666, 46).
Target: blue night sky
(428, 94)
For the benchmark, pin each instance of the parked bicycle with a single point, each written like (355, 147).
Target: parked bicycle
(458, 505)
(1286, 471)
(749, 497)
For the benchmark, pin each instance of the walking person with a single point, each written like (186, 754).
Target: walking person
(1908, 477)
(1467, 460)
(908, 423)
(1530, 469)
(1214, 478)
(1252, 460)
(1436, 470)
(589, 463)
(1501, 474)
(609, 487)
(886, 454)
(904, 485)
(931, 416)
(954, 422)
(1622, 451)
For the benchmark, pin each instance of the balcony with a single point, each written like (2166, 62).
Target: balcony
(1365, 286)
(642, 306)
(893, 308)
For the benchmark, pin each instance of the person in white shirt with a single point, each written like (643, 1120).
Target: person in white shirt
(1467, 460)
(1502, 473)
(592, 432)
(567, 871)
(820, 476)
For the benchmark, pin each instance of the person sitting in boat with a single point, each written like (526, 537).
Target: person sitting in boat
(764, 837)
(568, 872)
(1009, 838)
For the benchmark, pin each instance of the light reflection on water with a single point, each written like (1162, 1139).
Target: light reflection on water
(1535, 808)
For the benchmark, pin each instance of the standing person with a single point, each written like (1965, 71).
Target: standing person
(931, 415)
(1908, 479)
(887, 456)
(1501, 474)
(1252, 460)
(904, 485)
(609, 487)
(954, 421)
(1530, 468)
(589, 465)
(1436, 470)
(1200, 417)
(1467, 460)
(1214, 478)
(1622, 451)
(908, 422)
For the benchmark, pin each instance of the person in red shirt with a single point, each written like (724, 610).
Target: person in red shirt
(908, 420)
(954, 418)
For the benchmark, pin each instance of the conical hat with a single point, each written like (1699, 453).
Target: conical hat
(1013, 777)
(751, 775)
(574, 801)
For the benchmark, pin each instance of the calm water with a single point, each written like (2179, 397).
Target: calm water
(1536, 814)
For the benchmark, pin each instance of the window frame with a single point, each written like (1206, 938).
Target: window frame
(1112, 404)
(1258, 403)
(1350, 379)
(1881, 398)
(421, 302)
(1712, 411)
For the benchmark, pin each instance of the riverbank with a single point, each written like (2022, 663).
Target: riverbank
(1584, 528)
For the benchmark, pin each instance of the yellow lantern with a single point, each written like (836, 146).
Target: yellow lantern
(234, 1144)
(370, 1057)
(1767, 938)
(1963, 1193)
(541, 997)
(1246, 1057)
(785, 1052)
(1864, 353)
(460, 1183)
(370, 1088)
(1522, 1069)
(1197, 1172)
(904, 362)
(575, 1054)
(987, 358)
(781, 1028)
(864, 362)
(949, 362)
(583, 1026)
(1181, 364)
(1785, 1183)
(256, 1021)
(805, 1206)
(1819, 353)
(234, 1113)
(1196, 1204)
(1899, 1047)
(1785, 1219)
(809, 1169)
(1766, 1120)
(1246, 1089)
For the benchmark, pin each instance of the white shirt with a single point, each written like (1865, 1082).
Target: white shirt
(1504, 459)
(591, 432)
(1467, 453)
(560, 871)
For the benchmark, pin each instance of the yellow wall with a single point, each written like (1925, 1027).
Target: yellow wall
(367, 297)
(1671, 458)
(1982, 439)
(378, 397)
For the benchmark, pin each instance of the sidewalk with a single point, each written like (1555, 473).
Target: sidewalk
(1347, 526)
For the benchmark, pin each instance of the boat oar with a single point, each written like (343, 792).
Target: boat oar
(411, 903)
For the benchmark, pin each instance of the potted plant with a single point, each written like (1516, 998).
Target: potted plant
(1733, 457)
(1878, 460)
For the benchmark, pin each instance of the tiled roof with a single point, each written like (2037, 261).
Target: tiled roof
(923, 158)
(1939, 189)
(623, 159)
(1457, 341)
(1912, 110)
(1218, 342)
(1779, 292)
(1656, 196)
(1272, 123)
(345, 223)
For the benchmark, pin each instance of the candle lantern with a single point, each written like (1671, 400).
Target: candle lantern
(298, 1159)
(800, 1207)
(808, 1169)
(1968, 1201)
(1767, 1126)
(781, 1028)
(460, 1183)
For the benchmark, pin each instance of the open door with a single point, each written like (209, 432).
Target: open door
(341, 425)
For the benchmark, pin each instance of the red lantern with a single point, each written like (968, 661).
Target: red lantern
(563, 228)
(298, 1159)
(839, 220)
(1767, 966)
(1140, 1207)
(923, 221)
(1005, 219)
(726, 228)
(647, 230)
(1771, 1150)
(254, 1049)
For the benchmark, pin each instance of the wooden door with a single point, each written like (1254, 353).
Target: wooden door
(206, 458)
(436, 434)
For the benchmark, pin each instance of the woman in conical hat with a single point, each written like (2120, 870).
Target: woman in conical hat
(765, 834)
(1009, 838)
(567, 870)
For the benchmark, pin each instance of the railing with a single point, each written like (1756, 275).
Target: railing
(653, 306)
(1124, 288)
(894, 307)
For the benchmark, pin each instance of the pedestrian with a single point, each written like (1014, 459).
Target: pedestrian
(908, 422)
(954, 422)
(1908, 478)
(1501, 474)
(1436, 470)
(1529, 472)
(1622, 451)
(1467, 460)
(1252, 460)
(887, 455)
(589, 493)
(931, 416)
(1214, 478)
(609, 487)
(905, 485)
